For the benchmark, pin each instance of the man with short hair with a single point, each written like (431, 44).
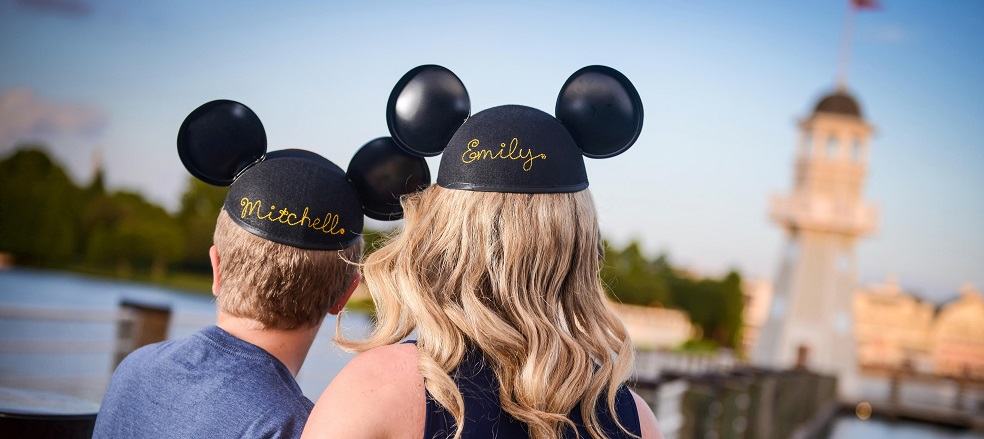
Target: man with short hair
(236, 378)
(287, 244)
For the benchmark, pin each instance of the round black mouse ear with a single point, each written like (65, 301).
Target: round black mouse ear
(381, 173)
(219, 140)
(426, 107)
(602, 110)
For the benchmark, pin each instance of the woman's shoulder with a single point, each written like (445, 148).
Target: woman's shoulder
(384, 358)
(382, 369)
(383, 385)
(647, 420)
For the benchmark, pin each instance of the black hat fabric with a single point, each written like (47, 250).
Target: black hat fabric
(297, 198)
(513, 148)
(294, 197)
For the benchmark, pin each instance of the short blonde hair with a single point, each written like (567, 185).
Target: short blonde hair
(280, 286)
(515, 276)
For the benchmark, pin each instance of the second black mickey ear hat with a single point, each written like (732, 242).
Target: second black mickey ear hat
(514, 148)
(294, 197)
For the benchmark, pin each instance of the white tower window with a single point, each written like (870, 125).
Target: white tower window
(843, 262)
(856, 149)
(792, 250)
(806, 148)
(778, 308)
(842, 322)
(831, 147)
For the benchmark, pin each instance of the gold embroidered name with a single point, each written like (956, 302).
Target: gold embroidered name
(255, 208)
(513, 153)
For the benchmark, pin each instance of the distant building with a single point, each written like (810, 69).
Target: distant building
(957, 336)
(655, 328)
(758, 296)
(892, 328)
(895, 330)
(809, 320)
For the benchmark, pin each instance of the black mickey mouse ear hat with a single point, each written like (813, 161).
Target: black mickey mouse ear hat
(513, 148)
(381, 172)
(294, 197)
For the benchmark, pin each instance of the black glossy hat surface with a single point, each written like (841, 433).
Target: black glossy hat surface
(297, 198)
(512, 148)
(220, 139)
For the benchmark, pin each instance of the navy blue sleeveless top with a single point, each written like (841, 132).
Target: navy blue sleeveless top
(485, 418)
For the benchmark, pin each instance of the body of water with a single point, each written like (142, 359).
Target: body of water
(850, 427)
(71, 350)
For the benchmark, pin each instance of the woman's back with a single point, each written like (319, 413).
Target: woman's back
(485, 418)
(380, 394)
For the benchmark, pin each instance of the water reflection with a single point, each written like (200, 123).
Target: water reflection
(58, 331)
(850, 427)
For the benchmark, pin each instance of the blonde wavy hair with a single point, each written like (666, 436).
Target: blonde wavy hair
(280, 286)
(516, 276)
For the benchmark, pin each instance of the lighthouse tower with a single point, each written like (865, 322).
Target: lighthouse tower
(810, 320)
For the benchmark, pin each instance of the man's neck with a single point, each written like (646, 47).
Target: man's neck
(290, 346)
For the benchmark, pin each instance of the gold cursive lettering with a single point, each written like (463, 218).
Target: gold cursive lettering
(327, 225)
(268, 215)
(250, 206)
(514, 152)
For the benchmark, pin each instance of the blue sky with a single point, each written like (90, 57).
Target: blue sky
(723, 84)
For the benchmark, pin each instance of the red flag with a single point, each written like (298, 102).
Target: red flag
(861, 5)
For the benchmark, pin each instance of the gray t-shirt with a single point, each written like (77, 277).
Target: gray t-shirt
(209, 385)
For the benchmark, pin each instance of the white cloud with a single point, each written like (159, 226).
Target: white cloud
(26, 117)
(70, 8)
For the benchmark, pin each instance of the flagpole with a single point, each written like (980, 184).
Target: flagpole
(844, 61)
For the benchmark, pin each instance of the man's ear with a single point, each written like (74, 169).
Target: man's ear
(213, 255)
(340, 303)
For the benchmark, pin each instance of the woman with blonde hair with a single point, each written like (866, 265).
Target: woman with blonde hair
(497, 271)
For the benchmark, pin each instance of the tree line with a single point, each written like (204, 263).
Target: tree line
(47, 220)
(713, 304)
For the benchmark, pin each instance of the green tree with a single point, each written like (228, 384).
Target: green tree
(733, 298)
(634, 279)
(200, 206)
(39, 208)
(714, 305)
(127, 231)
(88, 220)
